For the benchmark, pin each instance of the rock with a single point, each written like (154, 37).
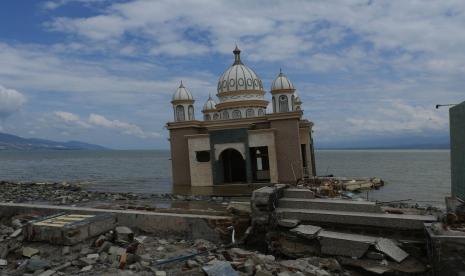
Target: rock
(389, 248)
(220, 268)
(288, 223)
(375, 255)
(306, 231)
(263, 273)
(124, 233)
(160, 273)
(86, 268)
(249, 267)
(63, 266)
(47, 273)
(240, 252)
(115, 250)
(36, 264)
(92, 256)
(29, 252)
(191, 264)
(87, 261)
(3, 262)
(65, 250)
(16, 233)
(105, 246)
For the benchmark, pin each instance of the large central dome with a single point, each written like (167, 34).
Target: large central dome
(239, 77)
(240, 92)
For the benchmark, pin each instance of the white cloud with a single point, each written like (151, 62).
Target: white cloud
(71, 118)
(73, 122)
(10, 101)
(123, 127)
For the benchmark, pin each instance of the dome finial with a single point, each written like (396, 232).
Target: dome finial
(280, 71)
(237, 55)
(181, 85)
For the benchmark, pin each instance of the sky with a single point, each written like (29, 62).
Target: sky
(369, 73)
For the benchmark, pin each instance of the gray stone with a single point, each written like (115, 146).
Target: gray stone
(115, 250)
(160, 273)
(3, 262)
(49, 272)
(389, 248)
(36, 264)
(342, 244)
(92, 256)
(306, 231)
(86, 268)
(288, 223)
(375, 255)
(105, 246)
(16, 233)
(29, 252)
(220, 268)
(65, 250)
(124, 233)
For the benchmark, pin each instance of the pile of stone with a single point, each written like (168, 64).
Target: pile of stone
(73, 193)
(124, 251)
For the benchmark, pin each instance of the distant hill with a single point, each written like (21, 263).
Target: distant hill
(13, 142)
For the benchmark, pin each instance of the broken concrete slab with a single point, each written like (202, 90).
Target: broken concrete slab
(342, 244)
(3, 262)
(408, 266)
(330, 204)
(391, 249)
(29, 252)
(392, 221)
(298, 193)
(69, 229)
(124, 233)
(288, 223)
(16, 233)
(220, 268)
(49, 272)
(306, 231)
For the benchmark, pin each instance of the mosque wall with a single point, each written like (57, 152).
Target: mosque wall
(201, 172)
(265, 137)
(179, 157)
(287, 150)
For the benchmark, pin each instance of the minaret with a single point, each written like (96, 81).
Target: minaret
(282, 91)
(183, 104)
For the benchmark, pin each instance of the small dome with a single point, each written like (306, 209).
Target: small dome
(282, 83)
(239, 77)
(209, 105)
(182, 94)
(297, 100)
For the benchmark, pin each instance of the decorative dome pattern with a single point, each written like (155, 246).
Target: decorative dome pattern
(239, 77)
(209, 105)
(282, 83)
(182, 94)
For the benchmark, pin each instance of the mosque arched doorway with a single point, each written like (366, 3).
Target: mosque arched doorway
(233, 165)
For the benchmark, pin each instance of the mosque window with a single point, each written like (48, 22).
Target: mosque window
(274, 105)
(180, 113)
(216, 116)
(293, 102)
(202, 156)
(261, 112)
(225, 115)
(191, 112)
(283, 104)
(236, 114)
(207, 117)
(250, 113)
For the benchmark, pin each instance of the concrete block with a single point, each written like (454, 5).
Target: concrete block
(298, 193)
(69, 229)
(123, 233)
(288, 223)
(306, 231)
(391, 221)
(220, 269)
(342, 244)
(389, 248)
(330, 204)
